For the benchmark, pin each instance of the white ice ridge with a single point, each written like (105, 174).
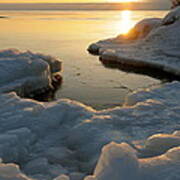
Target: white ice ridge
(120, 162)
(151, 43)
(26, 72)
(62, 140)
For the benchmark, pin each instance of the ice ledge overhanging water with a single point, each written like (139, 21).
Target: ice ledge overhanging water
(151, 43)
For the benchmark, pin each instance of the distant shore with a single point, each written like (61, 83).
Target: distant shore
(85, 6)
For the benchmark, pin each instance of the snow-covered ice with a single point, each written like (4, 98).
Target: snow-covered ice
(119, 162)
(63, 139)
(151, 43)
(26, 72)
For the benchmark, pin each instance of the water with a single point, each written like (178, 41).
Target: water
(66, 35)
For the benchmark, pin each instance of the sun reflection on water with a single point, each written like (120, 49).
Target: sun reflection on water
(126, 22)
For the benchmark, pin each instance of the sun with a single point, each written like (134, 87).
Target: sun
(123, 1)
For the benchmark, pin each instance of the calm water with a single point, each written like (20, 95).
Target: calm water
(66, 35)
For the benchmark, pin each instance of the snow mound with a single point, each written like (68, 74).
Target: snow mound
(26, 72)
(63, 139)
(152, 43)
(120, 162)
(160, 143)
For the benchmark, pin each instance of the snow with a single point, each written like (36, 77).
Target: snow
(151, 43)
(119, 162)
(63, 139)
(26, 72)
(160, 143)
(11, 172)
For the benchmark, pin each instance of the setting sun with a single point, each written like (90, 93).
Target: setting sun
(123, 1)
(126, 22)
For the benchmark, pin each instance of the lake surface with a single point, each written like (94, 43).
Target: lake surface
(66, 35)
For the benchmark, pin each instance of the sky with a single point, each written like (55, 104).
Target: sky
(64, 1)
(142, 4)
(50, 1)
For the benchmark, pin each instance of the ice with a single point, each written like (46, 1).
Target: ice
(11, 172)
(62, 177)
(117, 161)
(26, 72)
(64, 138)
(120, 162)
(152, 43)
(160, 143)
(138, 32)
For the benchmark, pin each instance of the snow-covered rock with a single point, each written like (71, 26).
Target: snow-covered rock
(26, 72)
(151, 43)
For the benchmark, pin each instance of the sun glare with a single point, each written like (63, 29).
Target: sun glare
(123, 1)
(126, 22)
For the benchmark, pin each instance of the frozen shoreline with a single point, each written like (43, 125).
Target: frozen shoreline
(151, 43)
(62, 140)
(66, 137)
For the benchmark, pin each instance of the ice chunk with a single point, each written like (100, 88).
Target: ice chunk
(117, 161)
(62, 177)
(160, 143)
(11, 172)
(120, 162)
(150, 44)
(138, 32)
(26, 72)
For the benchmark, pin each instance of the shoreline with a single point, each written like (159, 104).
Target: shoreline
(67, 140)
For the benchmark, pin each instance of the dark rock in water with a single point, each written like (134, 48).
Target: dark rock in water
(3, 17)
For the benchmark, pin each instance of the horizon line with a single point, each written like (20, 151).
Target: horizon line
(84, 6)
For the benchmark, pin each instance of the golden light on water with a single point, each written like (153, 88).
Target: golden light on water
(126, 22)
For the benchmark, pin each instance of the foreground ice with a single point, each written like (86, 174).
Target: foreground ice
(120, 162)
(151, 43)
(26, 72)
(62, 140)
